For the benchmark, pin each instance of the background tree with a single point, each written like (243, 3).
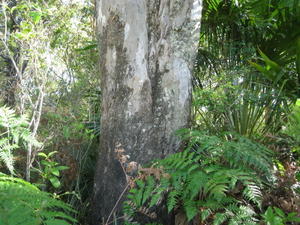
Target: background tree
(147, 50)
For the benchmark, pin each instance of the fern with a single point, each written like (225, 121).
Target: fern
(252, 192)
(240, 151)
(14, 133)
(6, 153)
(23, 203)
(253, 155)
(208, 179)
(150, 185)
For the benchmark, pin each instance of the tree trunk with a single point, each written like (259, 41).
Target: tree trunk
(147, 53)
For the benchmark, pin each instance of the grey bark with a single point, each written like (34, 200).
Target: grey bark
(147, 52)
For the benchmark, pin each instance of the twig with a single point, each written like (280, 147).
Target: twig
(119, 199)
(11, 58)
(121, 217)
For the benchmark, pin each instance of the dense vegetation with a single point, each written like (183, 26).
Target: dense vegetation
(241, 161)
(241, 155)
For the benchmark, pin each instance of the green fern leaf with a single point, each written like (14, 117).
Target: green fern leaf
(23, 203)
(219, 218)
(252, 193)
(149, 188)
(191, 209)
(172, 200)
(205, 214)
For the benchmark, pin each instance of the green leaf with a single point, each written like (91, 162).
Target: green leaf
(292, 217)
(205, 214)
(88, 47)
(279, 212)
(172, 200)
(56, 222)
(149, 188)
(42, 154)
(45, 163)
(62, 167)
(55, 171)
(271, 218)
(219, 218)
(55, 182)
(36, 16)
(191, 209)
(52, 153)
(66, 132)
(155, 199)
(269, 62)
(268, 74)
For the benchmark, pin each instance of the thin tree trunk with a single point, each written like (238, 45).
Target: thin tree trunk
(34, 125)
(147, 53)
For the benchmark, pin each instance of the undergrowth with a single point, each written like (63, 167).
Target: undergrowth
(14, 135)
(214, 180)
(23, 203)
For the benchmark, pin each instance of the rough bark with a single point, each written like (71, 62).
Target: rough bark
(147, 50)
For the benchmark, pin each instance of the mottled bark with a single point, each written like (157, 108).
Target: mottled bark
(147, 51)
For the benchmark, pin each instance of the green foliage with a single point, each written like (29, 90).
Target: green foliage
(261, 31)
(217, 178)
(213, 177)
(14, 135)
(55, 50)
(242, 103)
(50, 169)
(278, 76)
(23, 203)
(127, 223)
(255, 100)
(275, 216)
(236, 151)
(293, 125)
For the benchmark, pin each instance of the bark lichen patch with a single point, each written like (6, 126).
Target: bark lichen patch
(127, 30)
(111, 59)
(182, 75)
(196, 11)
(100, 15)
(179, 10)
(138, 78)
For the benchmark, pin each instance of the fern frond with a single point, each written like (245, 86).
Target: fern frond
(23, 203)
(15, 132)
(250, 155)
(241, 215)
(6, 155)
(7, 116)
(172, 200)
(195, 184)
(205, 214)
(208, 179)
(191, 209)
(252, 192)
(219, 218)
(150, 185)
